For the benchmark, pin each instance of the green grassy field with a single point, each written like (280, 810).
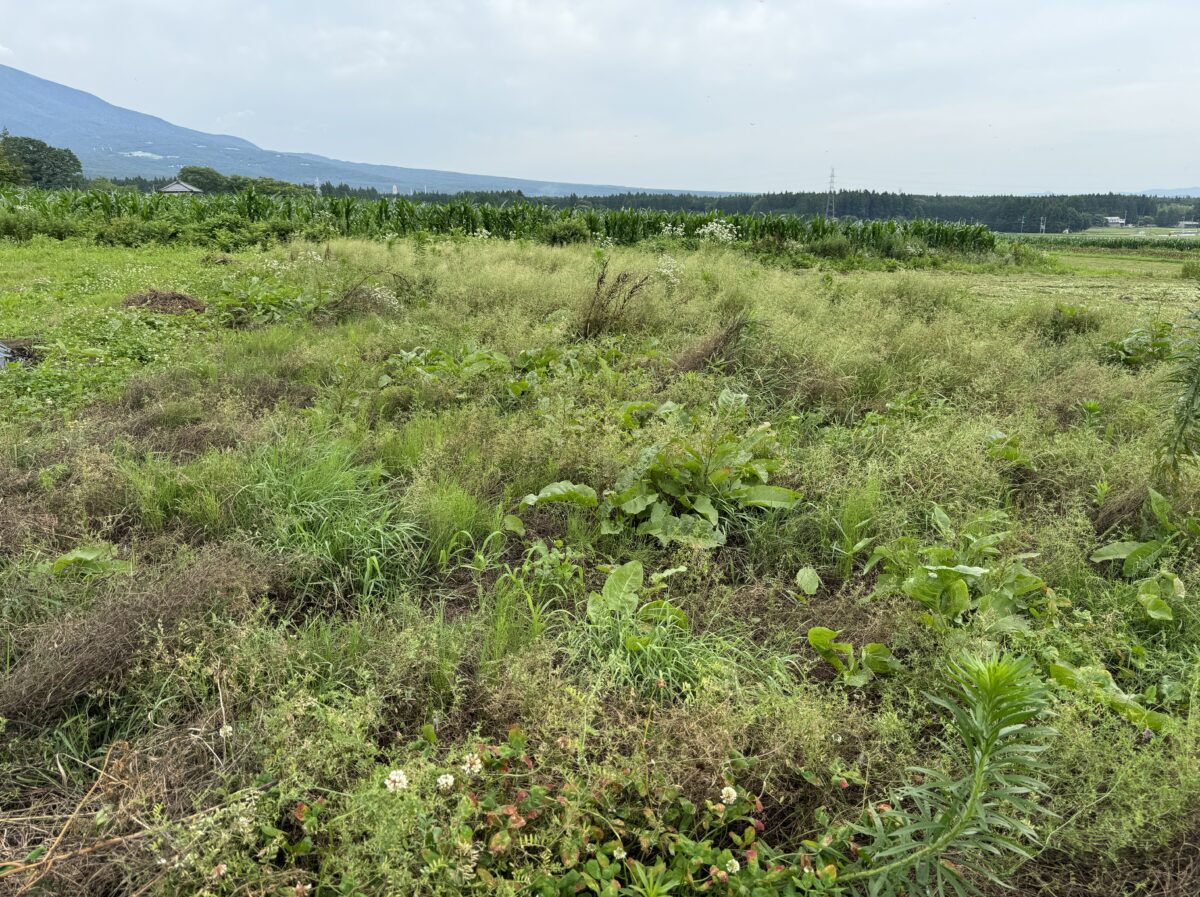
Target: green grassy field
(459, 565)
(1137, 231)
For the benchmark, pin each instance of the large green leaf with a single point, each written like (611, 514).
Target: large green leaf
(622, 586)
(878, 658)
(822, 641)
(807, 581)
(686, 529)
(1155, 593)
(1142, 557)
(1098, 683)
(662, 613)
(1115, 551)
(1161, 509)
(564, 491)
(769, 497)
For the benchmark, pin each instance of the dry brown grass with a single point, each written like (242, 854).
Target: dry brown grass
(163, 776)
(718, 348)
(610, 303)
(62, 660)
(165, 302)
(1054, 874)
(1120, 509)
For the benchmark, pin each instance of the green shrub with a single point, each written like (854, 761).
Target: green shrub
(566, 231)
(834, 246)
(1068, 320)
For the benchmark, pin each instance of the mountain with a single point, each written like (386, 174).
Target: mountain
(1186, 192)
(115, 142)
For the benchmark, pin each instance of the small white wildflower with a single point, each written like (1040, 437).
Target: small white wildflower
(301, 889)
(226, 731)
(396, 780)
(668, 271)
(619, 853)
(219, 870)
(732, 867)
(473, 765)
(728, 794)
(445, 782)
(718, 231)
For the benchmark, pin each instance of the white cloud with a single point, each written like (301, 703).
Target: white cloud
(733, 94)
(5, 51)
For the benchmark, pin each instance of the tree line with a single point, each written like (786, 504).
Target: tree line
(26, 161)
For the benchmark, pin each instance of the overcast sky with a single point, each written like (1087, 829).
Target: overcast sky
(917, 95)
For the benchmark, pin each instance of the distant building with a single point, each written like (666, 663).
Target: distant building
(1114, 221)
(1188, 224)
(178, 188)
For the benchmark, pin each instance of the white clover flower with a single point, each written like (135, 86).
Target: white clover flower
(728, 794)
(619, 853)
(396, 780)
(732, 867)
(226, 731)
(445, 782)
(473, 765)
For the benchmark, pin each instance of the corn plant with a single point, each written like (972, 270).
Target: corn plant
(319, 217)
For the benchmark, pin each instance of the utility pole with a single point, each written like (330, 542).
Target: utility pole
(829, 198)
(1022, 224)
(1043, 225)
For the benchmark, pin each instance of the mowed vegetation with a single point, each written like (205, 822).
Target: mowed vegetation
(451, 564)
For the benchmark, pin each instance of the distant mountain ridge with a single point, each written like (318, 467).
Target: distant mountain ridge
(1184, 192)
(114, 142)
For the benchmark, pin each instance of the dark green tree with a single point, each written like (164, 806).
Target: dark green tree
(207, 179)
(11, 174)
(45, 166)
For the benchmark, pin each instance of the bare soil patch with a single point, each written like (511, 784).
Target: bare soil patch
(165, 302)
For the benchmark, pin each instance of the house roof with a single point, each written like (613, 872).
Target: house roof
(179, 187)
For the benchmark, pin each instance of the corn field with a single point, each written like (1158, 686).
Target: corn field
(24, 212)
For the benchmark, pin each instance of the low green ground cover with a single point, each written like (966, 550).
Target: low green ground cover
(460, 565)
